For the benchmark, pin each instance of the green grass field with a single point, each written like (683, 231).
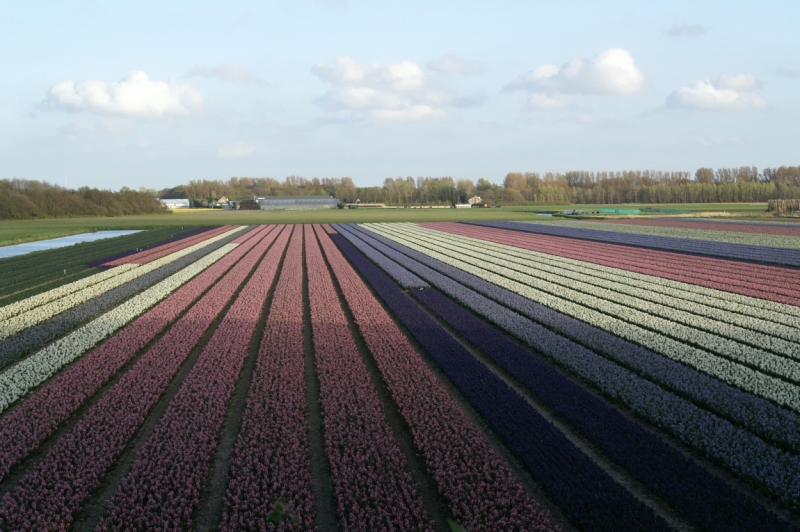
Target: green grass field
(18, 231)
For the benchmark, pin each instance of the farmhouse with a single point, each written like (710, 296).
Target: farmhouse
(475, 201)
(175, 203)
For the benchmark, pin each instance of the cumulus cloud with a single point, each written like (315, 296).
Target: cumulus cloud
(136, 95)
(451, 64)
(236, 150)
(612, 71)
(685, 30)
(726, 92)
(553, 87)
(231, 73)
(395, 91)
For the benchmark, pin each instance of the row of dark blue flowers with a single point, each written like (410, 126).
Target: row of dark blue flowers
(586, 492)
(742, 451)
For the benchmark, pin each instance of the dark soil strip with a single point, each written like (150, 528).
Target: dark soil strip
(209, 513)
(673, 518)
(433, 503)
(18, 471)
(95, 508)
(321, 484)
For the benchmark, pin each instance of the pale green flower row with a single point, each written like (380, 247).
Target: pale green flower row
(736, 374)
(44, 312)
(672, 303)
(19, 379)
(45, 297)
(778, 241)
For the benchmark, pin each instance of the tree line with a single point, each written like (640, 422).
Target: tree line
(706, 185)
(23, 199)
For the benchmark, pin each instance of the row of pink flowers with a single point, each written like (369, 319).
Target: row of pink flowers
(480, 489)
(271, 457)
(149, 255)
(166, 480)
(24, 427)
(51, 493)
(373, 489)
(708, 225)
(773, 283)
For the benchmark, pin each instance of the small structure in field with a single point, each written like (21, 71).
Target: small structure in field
(175, 203)
(359, 205)
(296, 203)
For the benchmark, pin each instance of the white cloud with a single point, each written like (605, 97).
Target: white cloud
(229, 72)
(236, 150)
(396, 92)
(612, 71)
(685, 30)
(726, 92)
(451, 64)
(136, 95)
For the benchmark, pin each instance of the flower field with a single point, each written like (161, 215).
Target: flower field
(402, 376)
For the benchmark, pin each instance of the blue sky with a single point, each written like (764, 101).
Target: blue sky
(113, 94)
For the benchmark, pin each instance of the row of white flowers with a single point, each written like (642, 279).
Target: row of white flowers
(19, 379)
(743, 377)
(769, 311)
(56, 293)
(44, 312)
(779, 338)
